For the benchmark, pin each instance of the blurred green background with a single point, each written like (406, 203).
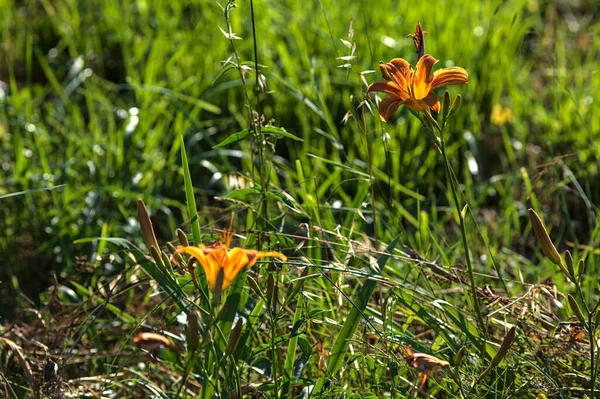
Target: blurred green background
(96, 95)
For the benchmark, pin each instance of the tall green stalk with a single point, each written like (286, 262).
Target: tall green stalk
(254, 123)
(449, 178)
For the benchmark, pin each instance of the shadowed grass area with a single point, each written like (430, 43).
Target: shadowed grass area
(100, 99)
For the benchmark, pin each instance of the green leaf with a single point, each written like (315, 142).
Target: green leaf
(279, 131)
(30, 191)
(189, 196)
(225, 69)
(339, 165)
(234, 138)
(121, 242)
(289, 369)
(170, 287)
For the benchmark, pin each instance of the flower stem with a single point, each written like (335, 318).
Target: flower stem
(463, 231)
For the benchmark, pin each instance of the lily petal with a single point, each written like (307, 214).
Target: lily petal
(208, 261)
(388, 106)
(398, 71)
(384, 87)
(432, 100)
(416, 105)
(237, 259)
(271, 254)
(449, 76)
(423, 76)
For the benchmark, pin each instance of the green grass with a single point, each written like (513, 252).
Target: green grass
(105, 102)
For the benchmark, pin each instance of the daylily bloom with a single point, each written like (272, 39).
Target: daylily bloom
(424, 363)
(218, 256)
(148, 340)
(414, 89)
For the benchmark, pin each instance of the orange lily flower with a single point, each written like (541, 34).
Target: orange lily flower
(218, 256)
(425, 364)
(148, 340)
(413, 89)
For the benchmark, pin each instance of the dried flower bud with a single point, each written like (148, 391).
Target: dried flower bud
(419, 41)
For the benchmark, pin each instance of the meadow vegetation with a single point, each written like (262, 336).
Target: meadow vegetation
(199, 199)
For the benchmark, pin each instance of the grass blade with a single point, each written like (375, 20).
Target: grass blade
(340, 346)
(189, 195)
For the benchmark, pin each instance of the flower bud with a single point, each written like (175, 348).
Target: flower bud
(576, 310)
(157, 256)
(234, 337)
(146, 225)
(455, 105)
(446, 104)
(459, 357)
(218, 288)
(182, 238)
(502, 351)
(171, 248)
(192, 331)
(544, 240)
(580, 268)
(569, 263)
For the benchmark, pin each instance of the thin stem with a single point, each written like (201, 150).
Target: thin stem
(254, 125)
(370, 164)
(591, 331)
(257, 130)
(463, 232)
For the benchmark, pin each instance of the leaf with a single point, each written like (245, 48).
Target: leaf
(234, 138)
(290, 370)
(189, 196)
(339, 165)
(279, 131)
(170, 287)
(225, 69)
(299, 366)
(121, 242)
(37, 190)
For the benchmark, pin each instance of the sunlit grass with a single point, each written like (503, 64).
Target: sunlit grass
(106, 102)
